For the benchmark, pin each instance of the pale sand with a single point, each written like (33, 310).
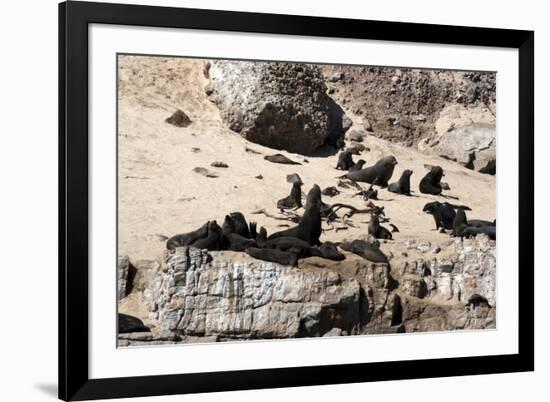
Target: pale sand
(159, 194)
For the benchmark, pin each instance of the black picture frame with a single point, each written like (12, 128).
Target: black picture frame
(74, 18)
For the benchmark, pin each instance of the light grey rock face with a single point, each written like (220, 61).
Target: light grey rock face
(148, 338)
(123, 266)
(201, 296)
(279, 105)
(448, 286)
(477, 139)
(145, 273)
(198, 294)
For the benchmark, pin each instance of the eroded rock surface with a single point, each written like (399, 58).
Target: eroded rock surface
(201, 296)
(279, 105)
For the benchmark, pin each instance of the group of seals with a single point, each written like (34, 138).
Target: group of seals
(462, 227)
(443, 213)
(235, 234)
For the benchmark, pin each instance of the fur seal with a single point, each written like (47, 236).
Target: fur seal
(280, 158)
(472, 231)
(330, 191)
(377, 230)
(477, 300)
(185, 239)
(241, 227)
(358, 165)
(302, 248)
(213, 240)
(367, 250)
(403, 186)
(231, 239)
(345, 160)
(459, 222)
(431, 183)
(273, 255)
(378, 174)
(309, 227)
(443, 213)
(294, 200)
(128, 323)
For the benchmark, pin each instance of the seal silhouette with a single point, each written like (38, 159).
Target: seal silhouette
(213, 240)
(378, 174)
(185, 239)
(431, 182)
(345, 160)
(403, 185)
(368, 250)
(309, 227)
(443, 213)
(231, 239)
(294, 200)
(358, 165)
(273, 255)
(377, 230)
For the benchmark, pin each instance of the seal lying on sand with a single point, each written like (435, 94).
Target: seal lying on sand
(280, 158)
(431, 183)
(403, 185)
(369, 251)
(379, 173)
(185, 239)
(309, 228)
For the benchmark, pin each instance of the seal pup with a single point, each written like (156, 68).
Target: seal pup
(262, 237)
(345, 160)
(128, 323)
(185, 239)
(309, 227)
(358, 165)
(294, 200)
(273, 255)
(380, 172)
(367, 250)
(431, 182)
(302, 248)
(403, 185)
(377, 230)
(213, 240)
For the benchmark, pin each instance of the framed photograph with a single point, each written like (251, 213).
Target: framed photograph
(258, 201)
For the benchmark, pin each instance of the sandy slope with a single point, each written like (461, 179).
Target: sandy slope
(159, 194)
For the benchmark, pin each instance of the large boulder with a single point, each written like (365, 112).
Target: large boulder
(279, 105)
(473, 145)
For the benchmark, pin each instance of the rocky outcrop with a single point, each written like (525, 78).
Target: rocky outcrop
(201, 296)
(408, 106)
(279, 105)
